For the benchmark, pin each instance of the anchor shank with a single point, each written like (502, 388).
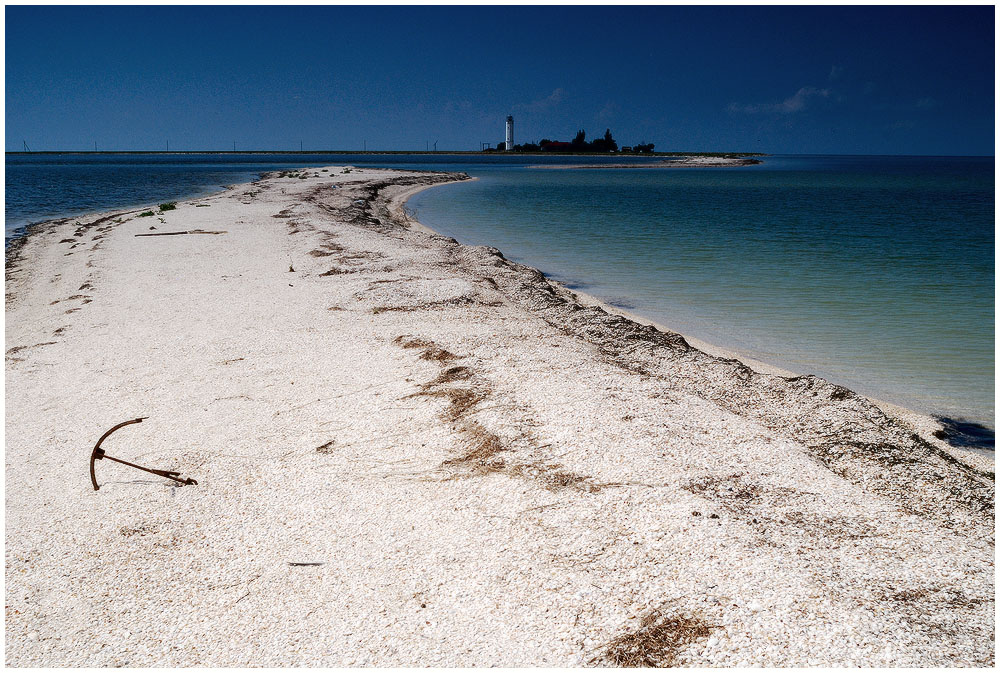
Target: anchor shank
(161, 473)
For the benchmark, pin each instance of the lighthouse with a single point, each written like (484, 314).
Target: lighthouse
(510, 133)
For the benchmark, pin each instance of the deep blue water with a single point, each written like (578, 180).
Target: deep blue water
(874, 272)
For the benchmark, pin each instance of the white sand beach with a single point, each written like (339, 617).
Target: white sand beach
(411, 452)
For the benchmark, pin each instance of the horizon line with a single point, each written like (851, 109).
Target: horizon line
(487, 153)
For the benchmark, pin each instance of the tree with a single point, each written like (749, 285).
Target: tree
(610, 141)
(580, 141)
(605, 144)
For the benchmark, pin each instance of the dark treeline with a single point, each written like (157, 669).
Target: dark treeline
(607, 144)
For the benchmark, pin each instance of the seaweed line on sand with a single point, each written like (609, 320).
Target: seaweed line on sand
(484, 452)
(843, 431)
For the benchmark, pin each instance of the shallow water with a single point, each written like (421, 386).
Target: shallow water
(46, 186)
(874, 272)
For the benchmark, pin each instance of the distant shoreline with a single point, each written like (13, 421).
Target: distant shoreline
(686, 161)
(691, 158)
(398, 152)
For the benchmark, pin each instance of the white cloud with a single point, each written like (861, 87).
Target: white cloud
(608, 112)
(555, 97)
(836, 72)
(794, 103)
(925, 103)
(542, 104)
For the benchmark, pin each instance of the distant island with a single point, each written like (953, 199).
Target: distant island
(624, 150)
(579, 145)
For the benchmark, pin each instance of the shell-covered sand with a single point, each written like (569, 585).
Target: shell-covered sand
(478, 468)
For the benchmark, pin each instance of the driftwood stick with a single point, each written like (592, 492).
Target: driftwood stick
(178, 233)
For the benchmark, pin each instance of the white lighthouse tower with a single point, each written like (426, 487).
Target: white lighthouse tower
(510, 133)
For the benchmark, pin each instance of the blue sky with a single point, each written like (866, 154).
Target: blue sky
(843, 80)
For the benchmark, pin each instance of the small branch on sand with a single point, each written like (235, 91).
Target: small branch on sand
(179, 233)
(546, 506)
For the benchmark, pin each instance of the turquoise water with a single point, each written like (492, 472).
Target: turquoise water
(874, 272)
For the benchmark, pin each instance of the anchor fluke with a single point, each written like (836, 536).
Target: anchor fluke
(99, 454)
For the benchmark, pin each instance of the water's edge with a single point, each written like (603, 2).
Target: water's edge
(957, 432)
(23, 231)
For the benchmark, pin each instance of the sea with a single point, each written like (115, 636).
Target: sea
(874, 272)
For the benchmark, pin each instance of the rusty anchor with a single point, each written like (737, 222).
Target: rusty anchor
(99, 454)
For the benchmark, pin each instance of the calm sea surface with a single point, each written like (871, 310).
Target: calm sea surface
(874, 272)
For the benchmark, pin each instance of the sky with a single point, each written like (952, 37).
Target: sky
(809, 80)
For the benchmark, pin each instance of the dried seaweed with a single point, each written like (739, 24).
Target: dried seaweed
(657, 643)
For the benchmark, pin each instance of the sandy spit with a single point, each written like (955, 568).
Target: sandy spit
(412, 452)
(675, 162)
